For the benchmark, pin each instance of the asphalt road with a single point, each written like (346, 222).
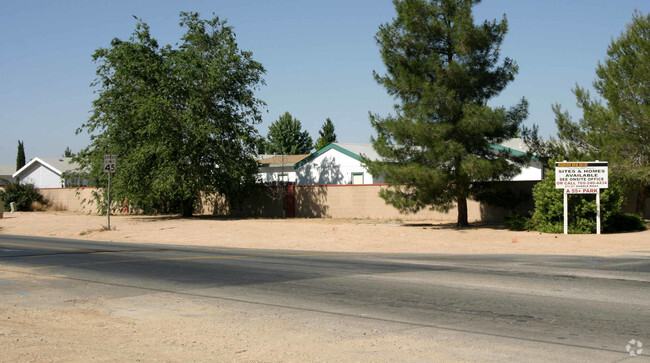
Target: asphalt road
(579, 304)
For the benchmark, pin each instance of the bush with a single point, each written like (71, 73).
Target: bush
(624, 222)
(23, 194)
(549, 209)
(518, 222)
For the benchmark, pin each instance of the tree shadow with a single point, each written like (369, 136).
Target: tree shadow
(453, 226)
(265, 201)
(311, 201)
(328, 171)
(312, 192)
(507, 198)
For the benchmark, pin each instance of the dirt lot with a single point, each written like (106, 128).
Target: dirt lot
(57, 326)
(339, 235)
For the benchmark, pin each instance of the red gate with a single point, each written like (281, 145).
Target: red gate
(290, 201)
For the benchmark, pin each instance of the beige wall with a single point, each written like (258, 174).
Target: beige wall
(334, 201)
(363, 201)
(71, 199)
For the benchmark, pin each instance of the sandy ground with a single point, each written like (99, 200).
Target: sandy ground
(336, 235)
(43, 323)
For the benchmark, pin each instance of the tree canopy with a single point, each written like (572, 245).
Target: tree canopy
(327, 135)
(617, 128)
(442, 69)
(286, 137)
(180, 119)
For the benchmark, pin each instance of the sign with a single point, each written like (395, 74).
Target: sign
(583, 177)
(581, 190)
(110, 163)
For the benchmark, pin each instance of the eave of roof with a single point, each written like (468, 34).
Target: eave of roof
(47, 165)
(324, 150)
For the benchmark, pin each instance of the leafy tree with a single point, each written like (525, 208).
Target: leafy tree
(20, 157)
(618, 130)
(327, 135)
(442, 68)
(286, 137)
(180, 119)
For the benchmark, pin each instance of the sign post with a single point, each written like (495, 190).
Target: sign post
(110, 165)
(581, 177)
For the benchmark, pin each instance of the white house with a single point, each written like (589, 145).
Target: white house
(278, 168)
(48, 173)
(340, 163)
(337, 163)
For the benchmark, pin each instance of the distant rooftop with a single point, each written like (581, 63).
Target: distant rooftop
(7, 169)
(282, 159)
(62, 164)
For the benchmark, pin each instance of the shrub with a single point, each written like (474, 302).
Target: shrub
(549, 209)
(518, 222)
(23, 194)
(624, 222)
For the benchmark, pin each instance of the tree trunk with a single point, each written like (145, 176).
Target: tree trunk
(461, 202)
(187, 208)
(641, 199)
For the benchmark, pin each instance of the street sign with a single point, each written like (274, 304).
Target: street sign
(110, 163)
(581, 176)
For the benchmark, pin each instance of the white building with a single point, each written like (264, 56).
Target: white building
(49, 173)
(278, 168)
(337, 163)
(340, 163)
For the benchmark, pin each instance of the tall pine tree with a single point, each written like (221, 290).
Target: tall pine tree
(618, 129)
(20, 156)
(327, 135)
(442, 69)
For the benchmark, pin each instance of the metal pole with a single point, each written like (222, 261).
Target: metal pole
(566, 209)
(108, 207)
(598, 212)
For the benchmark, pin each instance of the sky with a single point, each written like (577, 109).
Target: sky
(319, 57)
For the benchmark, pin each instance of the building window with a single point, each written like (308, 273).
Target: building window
(357, 178)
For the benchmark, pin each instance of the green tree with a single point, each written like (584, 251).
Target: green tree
(20, 156)
(68, 152)
(180, 119)
(327, 135)
(286, 137)
(442, 69)
(618, 129)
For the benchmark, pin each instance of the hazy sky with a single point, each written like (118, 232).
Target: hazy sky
(319, 57)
